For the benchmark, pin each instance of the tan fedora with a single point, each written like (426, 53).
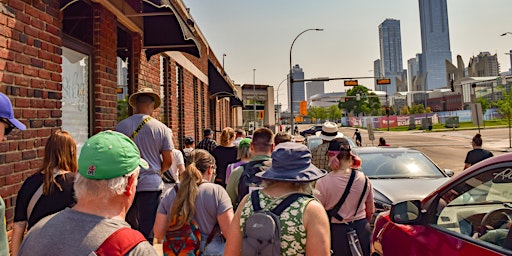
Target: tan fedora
(145, 91)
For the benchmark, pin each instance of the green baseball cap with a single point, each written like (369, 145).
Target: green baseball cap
(245, 142)
(108, 155)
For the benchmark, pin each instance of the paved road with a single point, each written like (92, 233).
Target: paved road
(448, 148)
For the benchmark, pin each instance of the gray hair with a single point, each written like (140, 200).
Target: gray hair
(244, 152)
(304, 187)
(102, 188)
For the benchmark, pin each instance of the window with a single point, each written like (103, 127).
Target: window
(75, 95)
(480, 207)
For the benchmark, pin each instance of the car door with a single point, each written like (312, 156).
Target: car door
(472, 216)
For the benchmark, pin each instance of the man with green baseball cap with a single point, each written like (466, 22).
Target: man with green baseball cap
(108, 168)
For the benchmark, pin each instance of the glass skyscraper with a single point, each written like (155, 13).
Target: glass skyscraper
(390, 42)
(298, 91)
(435, 42)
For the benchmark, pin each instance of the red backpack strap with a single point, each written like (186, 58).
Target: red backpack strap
(120, 242)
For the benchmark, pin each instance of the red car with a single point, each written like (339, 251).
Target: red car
(469, 215)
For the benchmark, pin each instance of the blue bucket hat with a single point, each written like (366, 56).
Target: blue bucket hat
(292, 162)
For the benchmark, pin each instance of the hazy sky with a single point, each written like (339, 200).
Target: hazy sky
(257, 34)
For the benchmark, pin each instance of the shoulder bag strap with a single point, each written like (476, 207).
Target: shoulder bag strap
(255, 200)
(334, 211)
(212, 234)
(362, 194)
(134, 134)
(287, 202)
(120, 242)
(35, 197)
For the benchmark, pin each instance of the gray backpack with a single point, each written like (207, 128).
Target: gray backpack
(262, 230)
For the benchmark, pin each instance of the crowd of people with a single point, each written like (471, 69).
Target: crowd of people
(131, 187)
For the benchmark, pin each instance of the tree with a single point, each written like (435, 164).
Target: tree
(484, 103)
(364, 105)
(505, 110)
(405, 111)
(319, 113)
(334, 113)
(122, 109)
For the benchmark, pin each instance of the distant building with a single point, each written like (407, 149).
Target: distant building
(415, 71)
(314, 87)
(484, 64)
(376, 72)
(298, 92)
(435, 42)
(390, 42)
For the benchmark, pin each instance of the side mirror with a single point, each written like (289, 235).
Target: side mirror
(449, 172)
(407, 212)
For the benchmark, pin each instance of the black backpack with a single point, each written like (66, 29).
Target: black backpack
(249, 178)
(262, 230)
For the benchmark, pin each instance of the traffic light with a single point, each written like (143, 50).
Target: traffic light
(347, 99)
(387, 110)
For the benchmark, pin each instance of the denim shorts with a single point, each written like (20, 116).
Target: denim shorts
(214, 248)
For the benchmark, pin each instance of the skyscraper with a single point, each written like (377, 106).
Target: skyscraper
(390, 42)
(435, 42)
(298, 92)
(313, 88)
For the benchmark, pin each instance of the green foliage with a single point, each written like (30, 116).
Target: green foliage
(484, 103)
(122, 109)
(505, 105)
(405, 111)
(417, 109)
(318, 113)
(365, 105)
(333, 113)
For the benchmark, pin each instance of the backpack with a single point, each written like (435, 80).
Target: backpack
(187, 239)
(262, 230)
(120, 242)
(249, 178)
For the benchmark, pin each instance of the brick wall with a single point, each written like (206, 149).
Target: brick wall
(30, 59)
(104, 69)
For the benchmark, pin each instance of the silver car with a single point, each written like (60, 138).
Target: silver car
(399, 174)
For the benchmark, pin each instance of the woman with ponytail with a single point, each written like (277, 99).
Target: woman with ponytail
(197, 198)
(50, 189)
(357, 209)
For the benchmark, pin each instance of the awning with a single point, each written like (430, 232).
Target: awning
(234, 101)
(217, 85)
(166, 30)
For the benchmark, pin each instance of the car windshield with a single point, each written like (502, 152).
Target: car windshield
(313, 142)
(398, 165)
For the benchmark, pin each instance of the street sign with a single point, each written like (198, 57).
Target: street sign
(384, 81)
(303, 110)
(350, 83)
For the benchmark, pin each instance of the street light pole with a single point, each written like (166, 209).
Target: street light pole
(254, 95)
(223, 55)
(277, 100)
(292, 128)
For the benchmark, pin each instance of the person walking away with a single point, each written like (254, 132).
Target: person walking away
(243, 153)
(304, 227)
(172, 176)
(154, 140)
(477, 154)
(108, 170)
(243, 179)
(49, 190)
(208, 143)
(189, 146)
(240, 135)
(382, 142)
(7, 124)
(357, 136)
(328, 133)
(224, 154)
(347, 195)
(196, 198)
(282, 137)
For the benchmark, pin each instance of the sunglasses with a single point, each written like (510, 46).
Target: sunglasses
(9, 127)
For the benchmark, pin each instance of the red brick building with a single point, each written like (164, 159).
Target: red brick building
(64, 63)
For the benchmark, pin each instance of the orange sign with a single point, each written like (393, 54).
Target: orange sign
(384, 81)
(304, 108)
(350, 83)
